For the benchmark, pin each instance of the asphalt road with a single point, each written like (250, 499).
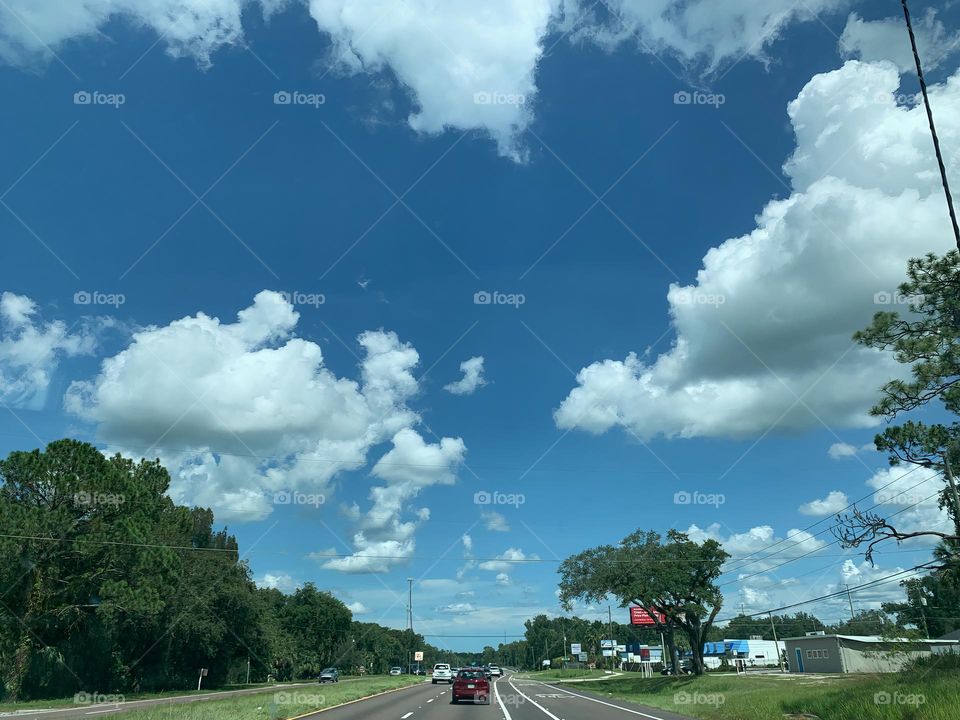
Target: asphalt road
(512, 700)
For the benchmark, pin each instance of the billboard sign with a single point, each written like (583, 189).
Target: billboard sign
(640, 616)
(575, 649)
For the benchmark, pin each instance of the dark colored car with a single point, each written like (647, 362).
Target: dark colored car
(686, 667)
(330, 675)
(471, 684)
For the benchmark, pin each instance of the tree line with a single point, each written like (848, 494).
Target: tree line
(107, 585)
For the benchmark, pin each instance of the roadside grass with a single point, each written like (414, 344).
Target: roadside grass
(70, 702)
(561, 674)
(276, 703)
(920, 694)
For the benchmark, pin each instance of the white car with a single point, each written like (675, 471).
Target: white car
(396, 671)
(495, 671)
(442, 673)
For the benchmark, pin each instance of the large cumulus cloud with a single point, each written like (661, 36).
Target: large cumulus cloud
(244, 410)
(763, 336)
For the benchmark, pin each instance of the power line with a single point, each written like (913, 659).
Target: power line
(816, 550)
(836, 525)
(830, 596)
(933, 127)
(823, 520)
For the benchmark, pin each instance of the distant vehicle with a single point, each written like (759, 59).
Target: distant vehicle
(685, 668)
(486, 672)
(495, 671)
(471, 684)
(442, 673)
(330, 675)
(396, 671)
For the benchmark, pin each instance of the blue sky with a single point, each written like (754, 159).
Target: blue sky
(731, 244)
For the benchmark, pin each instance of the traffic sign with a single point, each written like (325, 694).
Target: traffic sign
(418, 656)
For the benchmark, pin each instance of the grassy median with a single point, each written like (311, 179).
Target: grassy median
(279, 703)
(553, 675)
(921, 694)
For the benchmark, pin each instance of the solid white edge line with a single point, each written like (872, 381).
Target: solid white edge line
(618, 707)
(503, 708)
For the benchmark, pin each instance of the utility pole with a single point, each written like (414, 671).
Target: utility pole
(850, 600)
(613, 640)
(921, 600)
(410, 622)
(776, 643)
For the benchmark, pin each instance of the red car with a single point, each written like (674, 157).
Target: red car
(471, 684)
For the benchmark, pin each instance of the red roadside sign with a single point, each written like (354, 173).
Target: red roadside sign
(640, 616)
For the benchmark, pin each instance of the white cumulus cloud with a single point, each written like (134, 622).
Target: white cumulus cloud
(472, 370)
(241, 411)
(507, 559)
(887, 39)
(763, 338)
(384, 538)
(31, 350)
(834, 502)
(495, 522)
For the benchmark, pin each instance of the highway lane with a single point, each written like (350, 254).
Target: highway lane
(512, 700)
(535, 700)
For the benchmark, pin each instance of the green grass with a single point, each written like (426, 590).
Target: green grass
(68, 702)
(562, 674)
(920, 694)
(276, 703)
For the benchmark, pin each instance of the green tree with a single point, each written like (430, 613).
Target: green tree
(927, 339)
(674, 576)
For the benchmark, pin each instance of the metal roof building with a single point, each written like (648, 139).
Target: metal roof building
(855, 653)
